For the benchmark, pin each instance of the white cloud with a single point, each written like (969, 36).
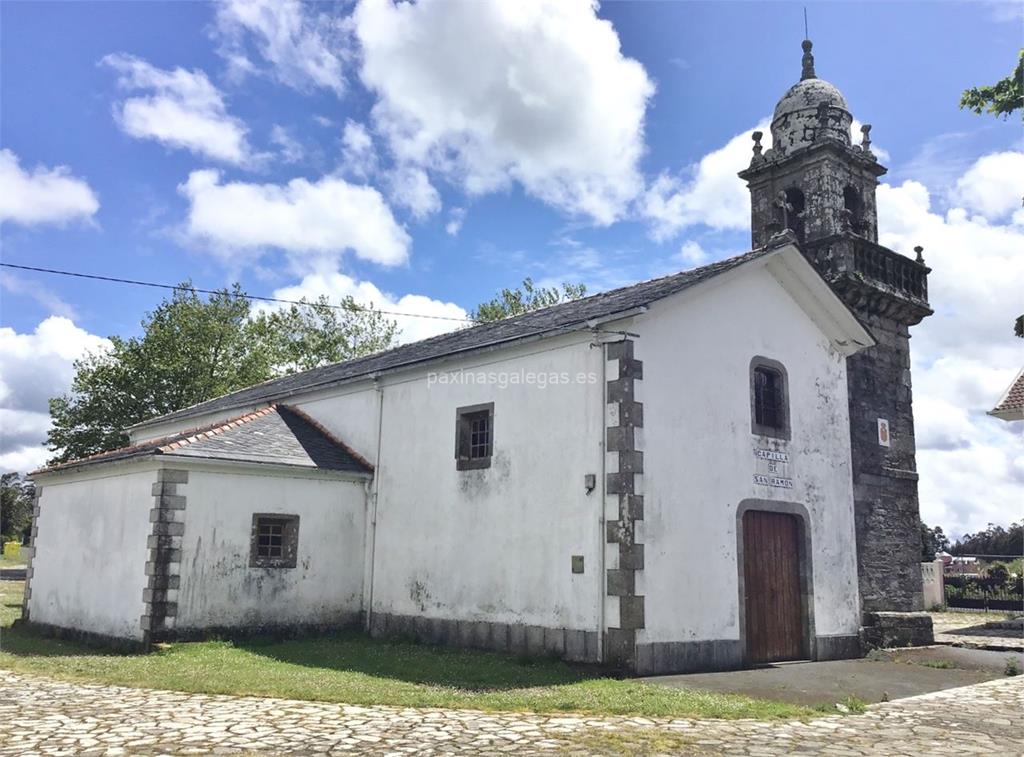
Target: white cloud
(42, 195)
(488, 94)
(964, 356)
(337, 286)
(45, 296)
(456, 217)
(324, 217)
(33, 368)
(693, 254)
(711, 195)
(305, 49)
(182, 109)
(291, 151)
(357, 154)
(409, 187)
(994, 186)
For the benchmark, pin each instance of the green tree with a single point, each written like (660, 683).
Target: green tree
(304, 337)
(526, 299)
(1001, 98)
(1018, 326)
(16, 500)
(994, 540)
(933, 541)
(998, 574)
(193, 349)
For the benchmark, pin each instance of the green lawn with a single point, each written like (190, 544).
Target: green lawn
(352, 668)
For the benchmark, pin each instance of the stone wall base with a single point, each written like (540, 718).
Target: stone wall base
(897, 629)
(655, 658)
(511, 638)
(837, 647)
(48, 630)
(348, 621)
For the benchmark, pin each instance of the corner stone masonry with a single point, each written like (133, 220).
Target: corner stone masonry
(31, 555)
(626, 466)
(163, 570)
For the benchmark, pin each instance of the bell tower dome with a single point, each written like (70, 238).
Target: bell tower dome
(813, 180)
(816, 185)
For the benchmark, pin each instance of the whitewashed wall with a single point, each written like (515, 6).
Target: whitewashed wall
(219, 589)
(494, 544)
(89, 565)
(699, 457)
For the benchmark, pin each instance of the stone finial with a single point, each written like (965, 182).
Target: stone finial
(808, 61)
(756, 136)
(865, 140)
(920, 257)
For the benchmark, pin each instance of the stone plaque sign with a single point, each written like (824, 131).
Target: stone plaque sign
(772, 468)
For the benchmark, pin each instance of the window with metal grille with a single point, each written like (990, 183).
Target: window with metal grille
(270, 538)
(474, 436)
(275, 541)
(769, 398)
(479, 435)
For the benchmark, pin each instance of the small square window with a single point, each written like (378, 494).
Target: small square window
(474, 436)
(275, 541)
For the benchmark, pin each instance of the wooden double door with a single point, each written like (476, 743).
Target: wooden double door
(773, 587)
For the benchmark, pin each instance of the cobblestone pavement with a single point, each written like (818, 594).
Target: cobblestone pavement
(43, 716)
(977, 640)
(978, 630)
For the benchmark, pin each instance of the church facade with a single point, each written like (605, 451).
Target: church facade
(704, 471)
(815, 181)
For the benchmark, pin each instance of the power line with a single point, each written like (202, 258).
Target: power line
(180, 288)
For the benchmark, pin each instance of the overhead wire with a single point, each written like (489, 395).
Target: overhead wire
(255, 297)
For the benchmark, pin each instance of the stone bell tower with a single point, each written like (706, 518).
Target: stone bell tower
(817, 184)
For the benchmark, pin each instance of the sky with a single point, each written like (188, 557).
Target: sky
(422, 156)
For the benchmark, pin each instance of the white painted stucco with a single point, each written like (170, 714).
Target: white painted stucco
(699, 457)
(218, 587)
(494, 544)
(89, 564)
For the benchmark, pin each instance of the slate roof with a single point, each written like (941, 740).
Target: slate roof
(567, 316)
(276, 434)
(1011, 406)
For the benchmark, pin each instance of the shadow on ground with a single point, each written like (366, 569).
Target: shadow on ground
(404, 660)
(888, 675)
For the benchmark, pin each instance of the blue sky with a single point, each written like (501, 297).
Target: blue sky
(423, 158)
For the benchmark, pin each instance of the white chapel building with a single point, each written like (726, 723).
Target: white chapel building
(657, 477)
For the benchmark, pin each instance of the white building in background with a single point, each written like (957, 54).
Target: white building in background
(656, 476)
